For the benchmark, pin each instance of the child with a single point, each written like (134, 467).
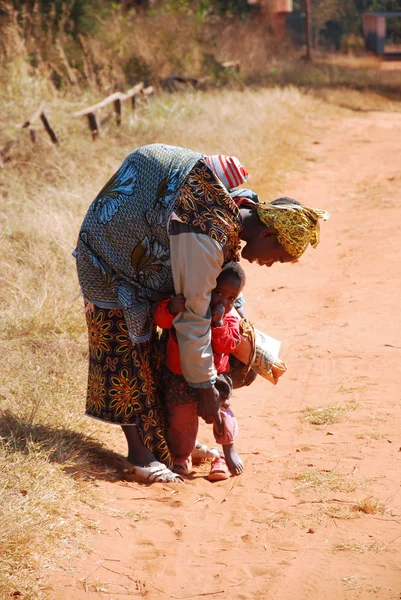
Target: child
(181, 399)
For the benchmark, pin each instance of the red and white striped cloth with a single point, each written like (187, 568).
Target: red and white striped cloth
(228, 169)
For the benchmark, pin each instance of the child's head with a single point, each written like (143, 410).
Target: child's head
(228, 286)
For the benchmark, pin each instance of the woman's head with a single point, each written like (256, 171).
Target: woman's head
(280, 231)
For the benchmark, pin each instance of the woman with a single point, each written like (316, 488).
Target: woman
(166, 224)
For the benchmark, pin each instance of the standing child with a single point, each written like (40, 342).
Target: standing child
(181, 399)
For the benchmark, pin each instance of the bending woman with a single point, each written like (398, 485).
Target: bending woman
(165, 224)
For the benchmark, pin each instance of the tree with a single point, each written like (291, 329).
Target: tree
(323, 11)
(308, 29)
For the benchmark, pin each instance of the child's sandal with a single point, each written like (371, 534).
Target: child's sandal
(219, 470)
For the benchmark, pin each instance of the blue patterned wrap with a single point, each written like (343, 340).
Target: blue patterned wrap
(123, 251)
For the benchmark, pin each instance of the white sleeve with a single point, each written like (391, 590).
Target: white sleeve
(196, 262)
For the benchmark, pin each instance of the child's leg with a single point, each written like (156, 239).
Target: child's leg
(182, 411)
(181, 433)
(226, 439)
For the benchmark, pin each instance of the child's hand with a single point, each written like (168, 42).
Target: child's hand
(176, 304)
(218, 314)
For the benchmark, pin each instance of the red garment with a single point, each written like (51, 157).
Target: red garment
(224, 339)
(183, 423)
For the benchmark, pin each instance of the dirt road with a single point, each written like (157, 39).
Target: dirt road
(317, 513)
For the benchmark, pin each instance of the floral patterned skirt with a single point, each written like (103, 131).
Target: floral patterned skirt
(122, 386)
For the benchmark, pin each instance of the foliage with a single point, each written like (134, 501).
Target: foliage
(68, 16)
(334, 20)
(107, 46)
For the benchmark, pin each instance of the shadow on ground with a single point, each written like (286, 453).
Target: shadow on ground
(82, 456)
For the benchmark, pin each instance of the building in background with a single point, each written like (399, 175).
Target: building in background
(274, 13)
(281, 8)
(374, 31)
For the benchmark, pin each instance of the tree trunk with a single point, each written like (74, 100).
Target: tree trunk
(316, 38)
(308, 30)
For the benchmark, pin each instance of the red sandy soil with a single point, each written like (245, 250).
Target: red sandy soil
(269, 534)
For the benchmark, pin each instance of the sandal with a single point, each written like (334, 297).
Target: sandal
(156, 473)
(202, 452)
(219, 470)
(182, 466)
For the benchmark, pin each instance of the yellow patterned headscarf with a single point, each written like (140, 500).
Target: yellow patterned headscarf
(296, 225)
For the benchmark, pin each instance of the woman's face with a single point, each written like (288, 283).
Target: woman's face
(265, 250)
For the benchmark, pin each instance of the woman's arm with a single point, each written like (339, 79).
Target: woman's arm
(196, 262)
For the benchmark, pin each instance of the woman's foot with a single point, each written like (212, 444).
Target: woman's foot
(138, 454)
(153, 473)
(141, 464)
(234, 463)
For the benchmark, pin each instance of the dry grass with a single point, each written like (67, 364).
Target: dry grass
(326, 507)
(40, 510)
(353, 510)
(351, 389)
(323, 481)
(357, 100)
(368, 506)
(357, 547)
(351, 61)
(325, 415)
(372, 435)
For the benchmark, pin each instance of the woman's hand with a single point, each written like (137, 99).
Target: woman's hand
(250, 378)
(209, 406)
(176, 304)
(242, 313)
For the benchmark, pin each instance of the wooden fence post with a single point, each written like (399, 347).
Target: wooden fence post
(93, 126)
(40, 114)
(116, 99)
(117, 110)
(29, 124)
(49, 130)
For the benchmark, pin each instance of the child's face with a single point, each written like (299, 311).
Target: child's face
(226, 292)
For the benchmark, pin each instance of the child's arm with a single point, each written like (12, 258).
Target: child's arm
(226, 337)
(167, 310)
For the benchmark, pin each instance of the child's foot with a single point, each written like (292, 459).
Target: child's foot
(234, 463)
